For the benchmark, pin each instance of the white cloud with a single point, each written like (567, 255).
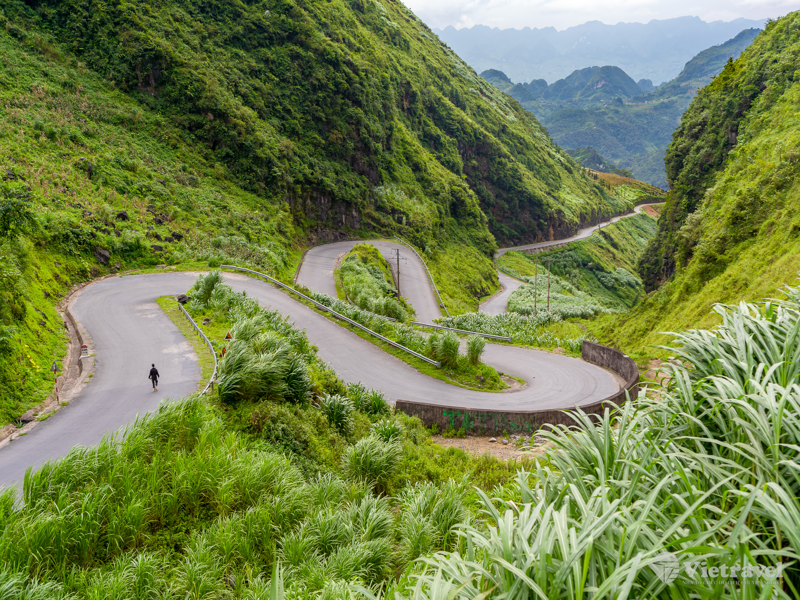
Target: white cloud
(567, 13)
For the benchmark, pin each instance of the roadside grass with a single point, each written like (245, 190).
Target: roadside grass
(366, 281)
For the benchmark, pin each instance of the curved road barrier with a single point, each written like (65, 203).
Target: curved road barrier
(213, 377)
(337, 315)
(485, 421)
(433, 283)
(466, 331)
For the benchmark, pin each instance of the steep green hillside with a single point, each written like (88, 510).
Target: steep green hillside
(352, 112)
(603, 265)
(135, 135)
(705, 66)
(729, 229)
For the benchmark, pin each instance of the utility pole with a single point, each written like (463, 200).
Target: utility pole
(397, 250)
(535, 285)
(548, 261)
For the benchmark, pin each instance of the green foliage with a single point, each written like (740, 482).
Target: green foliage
(388, 430)
(265, 359)
(444, 347)
(475, 347)
(712, 126)
(535, 330)
(370, 402)
(721, 438)
(16, 216)
(339, 412)
(372, 460)
(367, 282)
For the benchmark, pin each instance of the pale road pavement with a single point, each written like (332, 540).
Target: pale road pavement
(316, 273)
(497, 305)
(130, 332)
(581, 235)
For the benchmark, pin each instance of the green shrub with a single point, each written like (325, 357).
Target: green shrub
(204, 287)
(339, 412)
(475, 347)
(372, 460)
(388, 430)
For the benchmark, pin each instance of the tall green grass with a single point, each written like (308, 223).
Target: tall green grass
(267, 359)
(181, 507)
(525, 331)
(365, 277)
(707, 470)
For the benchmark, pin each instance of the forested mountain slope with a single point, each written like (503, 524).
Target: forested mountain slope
(141, 133)
(319, 104)
(730, 227)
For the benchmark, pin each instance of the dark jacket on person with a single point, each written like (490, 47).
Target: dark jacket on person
(153, 373)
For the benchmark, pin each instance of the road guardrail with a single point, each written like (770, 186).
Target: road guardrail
(424, 264)
(211, 381)
(486, 335)
(336, 314)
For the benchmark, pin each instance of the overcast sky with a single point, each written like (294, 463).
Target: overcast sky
(566, 13)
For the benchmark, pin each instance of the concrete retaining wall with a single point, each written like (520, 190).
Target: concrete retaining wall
(479, 421)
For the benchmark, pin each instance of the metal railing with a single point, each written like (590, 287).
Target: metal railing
(335, 314)
(486, 335)
(211, 381)
(433, 283)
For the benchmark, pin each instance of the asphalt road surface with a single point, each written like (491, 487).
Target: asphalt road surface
(497, 304)
(130, 332)
(581, 235)
(316, 273)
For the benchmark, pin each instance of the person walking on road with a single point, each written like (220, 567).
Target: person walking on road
(154, 377)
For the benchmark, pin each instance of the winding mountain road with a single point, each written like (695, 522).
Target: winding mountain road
(130, 332)
(497, 304)
(316, 273)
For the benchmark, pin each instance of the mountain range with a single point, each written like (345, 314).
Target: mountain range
(654, 51)
(605, 109)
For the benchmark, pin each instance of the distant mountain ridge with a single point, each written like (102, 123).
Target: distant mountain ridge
(603, 108)
(657, 50)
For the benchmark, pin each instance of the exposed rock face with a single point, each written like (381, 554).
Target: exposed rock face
(122, 216)
(183, 298)
(102, 255)
(157, 248)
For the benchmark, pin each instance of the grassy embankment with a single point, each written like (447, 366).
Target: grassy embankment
(365, 279)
